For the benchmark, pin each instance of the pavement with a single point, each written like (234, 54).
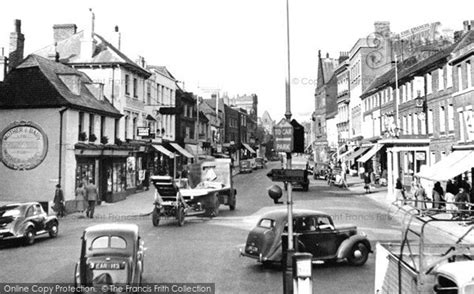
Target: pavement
(379, 194)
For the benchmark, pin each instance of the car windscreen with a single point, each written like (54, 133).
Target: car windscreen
(10, 211)
(266, 223)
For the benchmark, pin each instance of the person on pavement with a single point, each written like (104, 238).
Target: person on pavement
(451, 188)
(438, 196)
(59, 201)
(462, 199)
(92, 197)
(420, 198)
(81, 198)
(367, 182)
(400, 192)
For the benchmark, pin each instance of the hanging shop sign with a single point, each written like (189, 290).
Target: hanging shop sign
(23, 145)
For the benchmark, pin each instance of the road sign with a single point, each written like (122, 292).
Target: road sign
(287, 175)
(283, 136)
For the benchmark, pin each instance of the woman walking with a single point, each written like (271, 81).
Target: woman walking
(81, 198)
(400, 192)
(438, 196)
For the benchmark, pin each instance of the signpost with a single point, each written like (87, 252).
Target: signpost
(287, 175)
(283, 136)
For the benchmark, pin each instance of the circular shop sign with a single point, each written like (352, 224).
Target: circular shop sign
(23, 145)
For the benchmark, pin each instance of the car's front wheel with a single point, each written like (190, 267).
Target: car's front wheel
(358, 254)
(29, 236)
(53, 230)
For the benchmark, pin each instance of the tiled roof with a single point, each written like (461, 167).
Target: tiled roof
(35, 83)
(105, 53)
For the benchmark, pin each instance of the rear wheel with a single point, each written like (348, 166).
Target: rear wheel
(232, 201)
(53, 230)
(180, 216)
(358, 254)
(155, 217)
(29, 236)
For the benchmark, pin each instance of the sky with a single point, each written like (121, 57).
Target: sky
(238, 46)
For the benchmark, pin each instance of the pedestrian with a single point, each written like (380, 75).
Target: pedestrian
(81, 198)
(400, 192)
(59, 201)
(92, 197)
(367, 182)
(146, 180)
(438, 196)
(450, 206)
(451, 188)
(420, 198)
(462, 199)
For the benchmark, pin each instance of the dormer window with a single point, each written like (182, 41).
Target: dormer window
(72, 82)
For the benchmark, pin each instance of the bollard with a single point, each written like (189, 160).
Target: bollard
(302, 273)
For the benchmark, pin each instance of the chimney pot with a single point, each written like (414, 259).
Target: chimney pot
(17, 45)
(17, 24)
(327, 55)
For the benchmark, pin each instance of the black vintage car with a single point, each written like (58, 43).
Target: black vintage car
(316, 234)
(26, 221)
(111, 254)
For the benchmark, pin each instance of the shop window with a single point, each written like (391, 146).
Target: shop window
(85, 170)
(116, 177)
(131, 172)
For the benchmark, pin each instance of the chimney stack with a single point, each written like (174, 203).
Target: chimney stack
(118, 37)
(87, 41)
(63, 31)
(17, 45)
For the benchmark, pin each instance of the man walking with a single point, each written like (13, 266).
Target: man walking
(92, 195)
(59, 201)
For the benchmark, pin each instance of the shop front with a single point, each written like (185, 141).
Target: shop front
(405, 158)
(107, 167)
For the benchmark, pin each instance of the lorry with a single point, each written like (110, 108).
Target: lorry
(208, 185)
(419, 265)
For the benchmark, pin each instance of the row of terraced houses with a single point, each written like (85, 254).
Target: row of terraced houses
(399, 105)
(81, 109)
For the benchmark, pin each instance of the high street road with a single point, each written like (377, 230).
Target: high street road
(207, 250)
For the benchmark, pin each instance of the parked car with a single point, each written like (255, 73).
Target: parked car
(260, 162)
(316, 234)
(245, 166)
(111, 254)
(320, 171)
(26, 221)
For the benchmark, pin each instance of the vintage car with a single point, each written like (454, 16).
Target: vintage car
(320, 170)
(245, 166)
(260, 162)
(26, 221)
(111, 254)
(316, 234)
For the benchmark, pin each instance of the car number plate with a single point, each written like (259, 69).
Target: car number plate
(109, 266)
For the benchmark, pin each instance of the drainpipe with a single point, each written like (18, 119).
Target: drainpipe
(61, 112)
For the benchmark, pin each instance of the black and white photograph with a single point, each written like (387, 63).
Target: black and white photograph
(236, 146)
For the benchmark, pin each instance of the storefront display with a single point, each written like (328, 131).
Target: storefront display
(116, 177)
(85, 170)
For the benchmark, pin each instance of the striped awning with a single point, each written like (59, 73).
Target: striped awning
(370, 153)
(357, 153)
(182, 150)
(163, 150)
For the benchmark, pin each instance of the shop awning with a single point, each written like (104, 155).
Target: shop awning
(370, 153)
(182, 150)
(452, 165)
(346, 153)
(194, 149)
(248, 148)
(357, 153)
(163, 150)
